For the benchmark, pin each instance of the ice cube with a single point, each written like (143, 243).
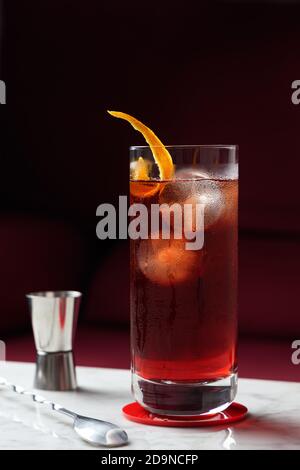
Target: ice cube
(199, 189)
(190, 174)
(167, 262)
(208, 193)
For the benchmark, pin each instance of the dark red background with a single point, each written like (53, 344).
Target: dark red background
(218, 72)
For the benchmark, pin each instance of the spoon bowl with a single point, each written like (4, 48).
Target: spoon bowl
(99, 433)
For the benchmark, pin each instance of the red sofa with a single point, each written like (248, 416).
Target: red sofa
(38, 254)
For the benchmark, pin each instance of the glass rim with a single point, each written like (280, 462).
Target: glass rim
(54, 294)
(182, 147)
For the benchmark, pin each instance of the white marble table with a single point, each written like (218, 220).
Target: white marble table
(274, 422)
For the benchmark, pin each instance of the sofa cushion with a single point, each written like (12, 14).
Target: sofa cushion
(267, 358)
(268, 287)
(108, 294)
(95, 347)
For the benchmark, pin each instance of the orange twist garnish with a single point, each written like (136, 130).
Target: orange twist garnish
(161, 156)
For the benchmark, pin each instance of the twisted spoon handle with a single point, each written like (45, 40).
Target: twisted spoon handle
(36, 398)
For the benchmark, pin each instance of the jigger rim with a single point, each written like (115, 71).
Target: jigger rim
(54, 294)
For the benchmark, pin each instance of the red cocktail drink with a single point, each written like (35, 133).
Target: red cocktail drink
(183, 301)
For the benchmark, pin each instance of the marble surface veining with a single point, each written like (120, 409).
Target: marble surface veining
(273, 421)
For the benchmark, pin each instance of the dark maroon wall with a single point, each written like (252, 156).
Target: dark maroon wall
(215, 73)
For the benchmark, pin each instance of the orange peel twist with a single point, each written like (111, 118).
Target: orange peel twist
(161, 155)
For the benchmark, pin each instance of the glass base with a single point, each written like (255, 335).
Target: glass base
(184, 399)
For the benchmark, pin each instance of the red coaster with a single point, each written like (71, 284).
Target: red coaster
(135, 412)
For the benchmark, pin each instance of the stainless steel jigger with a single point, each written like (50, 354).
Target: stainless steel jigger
(54, 317)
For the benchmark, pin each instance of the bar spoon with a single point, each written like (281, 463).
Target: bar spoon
(94, 431)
